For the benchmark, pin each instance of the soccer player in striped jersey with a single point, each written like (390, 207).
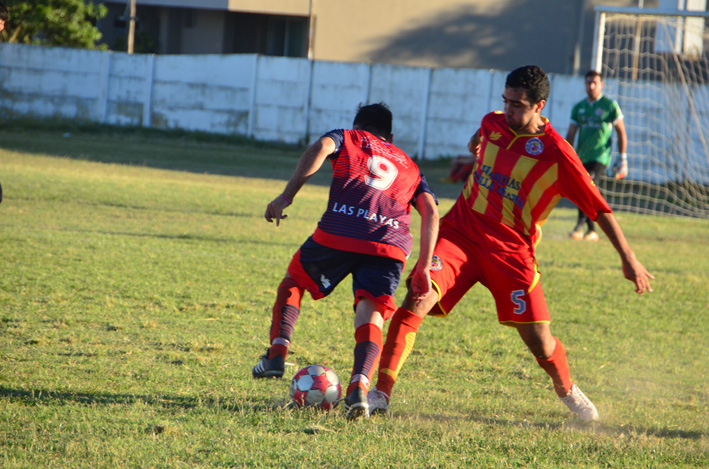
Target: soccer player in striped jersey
(363, 232)
(525, 167)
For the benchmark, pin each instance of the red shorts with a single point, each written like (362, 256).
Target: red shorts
(511, 277)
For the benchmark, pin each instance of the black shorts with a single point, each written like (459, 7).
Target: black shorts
(319, 269)
(595, 170)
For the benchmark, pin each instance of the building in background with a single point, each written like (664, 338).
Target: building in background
(279, 28)
(484, 34)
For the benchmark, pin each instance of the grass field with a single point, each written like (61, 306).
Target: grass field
(137, 280)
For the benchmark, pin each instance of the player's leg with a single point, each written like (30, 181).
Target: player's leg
(549, 352)
(374, 283)
(514, 281)
(284, 315)
(551, 356)
(453, 272)
(400, 342)
(368, 346)
(315, 268)
(519, 297)
(577, 232)
(595, 170)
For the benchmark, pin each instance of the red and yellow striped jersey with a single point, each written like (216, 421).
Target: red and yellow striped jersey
(516, 183)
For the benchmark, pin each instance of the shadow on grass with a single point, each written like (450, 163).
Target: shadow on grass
(175, 150)
(598, 428)
(189, 237)
(44, 396)
(193, 152)
(151, 209)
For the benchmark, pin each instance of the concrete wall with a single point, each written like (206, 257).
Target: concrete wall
(296, 100)
(268, 98)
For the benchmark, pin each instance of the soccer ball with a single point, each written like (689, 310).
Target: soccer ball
(316, 386)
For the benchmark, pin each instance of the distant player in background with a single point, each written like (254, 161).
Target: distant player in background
(595, 117)
(363, 232)
(490, 233)
(461, 167)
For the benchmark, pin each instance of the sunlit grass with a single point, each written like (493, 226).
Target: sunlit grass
(134, 300)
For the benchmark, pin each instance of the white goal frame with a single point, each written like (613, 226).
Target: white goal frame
(655, 63)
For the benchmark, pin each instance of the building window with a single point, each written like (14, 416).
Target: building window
(285, 36)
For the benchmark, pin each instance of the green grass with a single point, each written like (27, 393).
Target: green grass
(137, 280)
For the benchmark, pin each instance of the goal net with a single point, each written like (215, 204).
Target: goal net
(656, 65)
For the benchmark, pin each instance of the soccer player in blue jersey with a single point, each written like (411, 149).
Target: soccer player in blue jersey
(363, 232)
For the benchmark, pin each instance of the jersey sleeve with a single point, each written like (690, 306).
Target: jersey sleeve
(423, 187)
(337, 136)
(617, 114)
(576, 184)
(484, 129)
(574, 115)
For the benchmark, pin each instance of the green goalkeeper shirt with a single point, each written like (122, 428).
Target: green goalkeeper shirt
(595, 122)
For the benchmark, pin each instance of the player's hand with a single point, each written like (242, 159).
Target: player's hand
(636, 273)
(620, 170)
(420, 283)
(274, 210)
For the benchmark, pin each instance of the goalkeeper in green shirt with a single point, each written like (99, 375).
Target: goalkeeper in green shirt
(594, 118)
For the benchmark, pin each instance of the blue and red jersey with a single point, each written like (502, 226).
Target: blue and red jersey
(373, 186)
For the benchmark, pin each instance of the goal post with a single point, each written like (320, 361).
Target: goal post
(655, 63)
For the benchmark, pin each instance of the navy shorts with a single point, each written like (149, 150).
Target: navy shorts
(319, 269)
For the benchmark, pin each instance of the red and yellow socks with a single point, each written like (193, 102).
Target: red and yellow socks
(557, 367)
(400, 341)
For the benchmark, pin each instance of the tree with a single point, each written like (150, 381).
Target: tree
(68, 23)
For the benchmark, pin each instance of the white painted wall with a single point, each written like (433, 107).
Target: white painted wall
(281, 104)
(268, 98)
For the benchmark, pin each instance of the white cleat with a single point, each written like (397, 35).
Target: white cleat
(580, 405)
(378, 401)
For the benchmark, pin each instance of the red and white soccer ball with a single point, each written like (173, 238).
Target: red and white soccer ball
(315, 386)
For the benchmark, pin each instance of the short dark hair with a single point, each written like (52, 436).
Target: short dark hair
(593, 74)
(375, 118)
(532, 79)
(4, 14)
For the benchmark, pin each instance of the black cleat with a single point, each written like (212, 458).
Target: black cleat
(356, 404)
(269, 368)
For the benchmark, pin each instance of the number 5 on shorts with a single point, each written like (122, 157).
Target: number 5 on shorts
(520, 304)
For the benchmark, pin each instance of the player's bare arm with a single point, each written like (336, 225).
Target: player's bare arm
(632, 268)
(421, 279)
(571, 133)
(474, 143)
(310, 162)
(619, 126)
(620, 169)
